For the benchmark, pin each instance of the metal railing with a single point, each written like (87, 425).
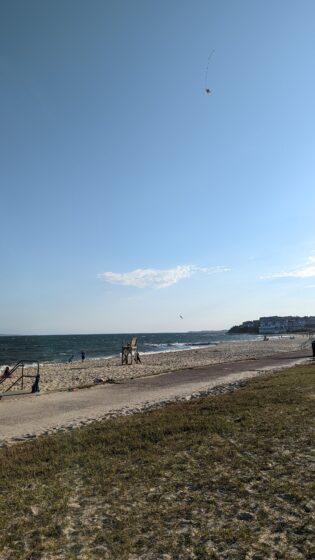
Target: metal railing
(23, 376)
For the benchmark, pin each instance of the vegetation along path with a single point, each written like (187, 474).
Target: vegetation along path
(214, 478)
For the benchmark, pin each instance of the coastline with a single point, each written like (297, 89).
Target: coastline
(67, 376)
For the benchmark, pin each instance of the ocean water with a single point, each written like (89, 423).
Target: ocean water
(59, 348)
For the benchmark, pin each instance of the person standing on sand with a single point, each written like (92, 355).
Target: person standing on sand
(6, 373)
(82, 356)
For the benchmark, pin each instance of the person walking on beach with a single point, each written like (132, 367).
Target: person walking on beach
(82, 356)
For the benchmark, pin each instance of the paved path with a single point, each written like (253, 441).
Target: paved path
(22, 417)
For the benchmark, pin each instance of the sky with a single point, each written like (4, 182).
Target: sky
(129, 195)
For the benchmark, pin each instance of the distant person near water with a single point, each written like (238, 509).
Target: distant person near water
(70, 359)
(6, 373)
(82, 356)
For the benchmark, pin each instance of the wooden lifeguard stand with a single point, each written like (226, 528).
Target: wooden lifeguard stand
(129, 351)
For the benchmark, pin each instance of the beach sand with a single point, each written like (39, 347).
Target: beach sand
(64, 376)
(61, 406)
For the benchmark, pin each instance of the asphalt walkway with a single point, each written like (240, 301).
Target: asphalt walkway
(22, 417)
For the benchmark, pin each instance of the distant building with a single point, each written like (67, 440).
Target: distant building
(250, 324)
(310, 323)
(279, 325)
(275, 325)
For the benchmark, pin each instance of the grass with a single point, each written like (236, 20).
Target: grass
(224, 477)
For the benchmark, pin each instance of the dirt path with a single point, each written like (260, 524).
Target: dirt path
(23, 417)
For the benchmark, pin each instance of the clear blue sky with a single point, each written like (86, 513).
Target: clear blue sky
(130, 196)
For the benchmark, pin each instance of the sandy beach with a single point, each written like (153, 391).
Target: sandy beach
(64, 376)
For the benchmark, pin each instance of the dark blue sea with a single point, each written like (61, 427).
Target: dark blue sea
(59, 348)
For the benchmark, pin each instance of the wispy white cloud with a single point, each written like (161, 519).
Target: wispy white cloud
(156, 278)
(306, 270)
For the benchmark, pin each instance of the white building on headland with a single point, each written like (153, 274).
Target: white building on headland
(280, 325)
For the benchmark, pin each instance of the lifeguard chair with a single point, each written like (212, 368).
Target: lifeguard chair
(129, 352)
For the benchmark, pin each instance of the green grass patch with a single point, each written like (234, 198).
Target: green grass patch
(226, 477)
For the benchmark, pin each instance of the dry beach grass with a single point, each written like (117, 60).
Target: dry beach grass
(226, 477)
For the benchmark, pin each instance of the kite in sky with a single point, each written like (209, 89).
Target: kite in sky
(207, 89)
(181, 317)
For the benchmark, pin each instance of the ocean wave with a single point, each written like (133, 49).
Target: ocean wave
(202, 344)
(180, 344)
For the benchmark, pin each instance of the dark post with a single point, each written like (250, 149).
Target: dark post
(35, 386)
(313, 348)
